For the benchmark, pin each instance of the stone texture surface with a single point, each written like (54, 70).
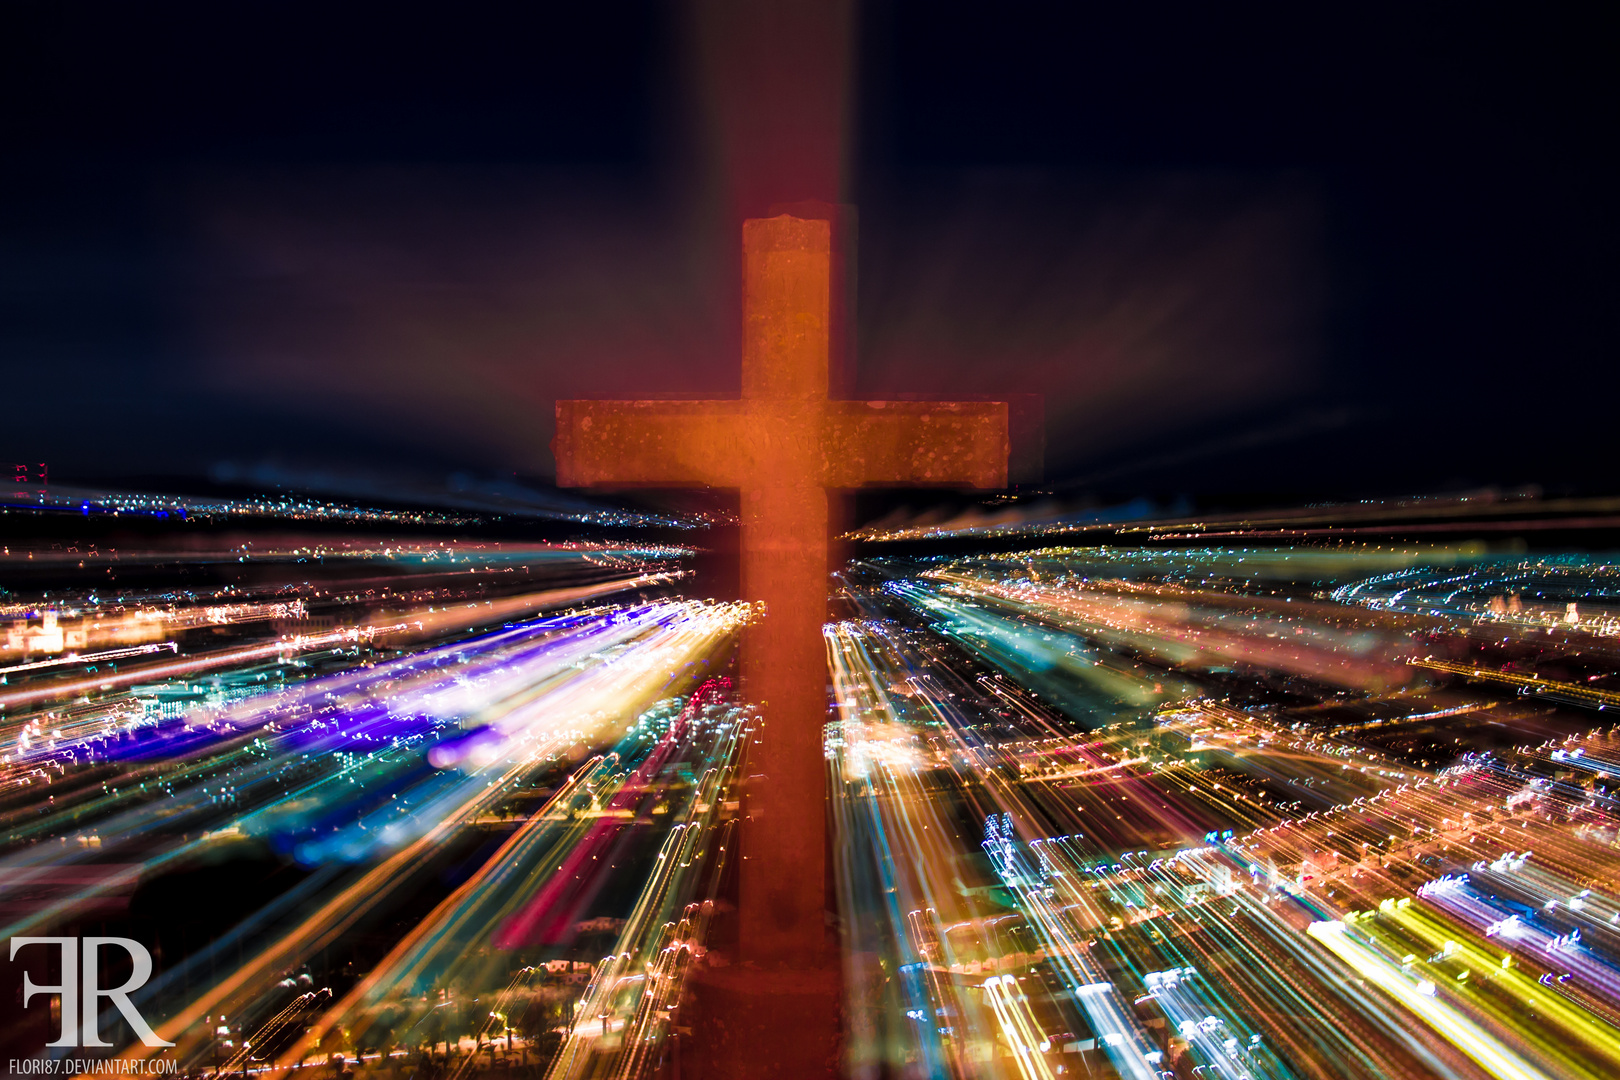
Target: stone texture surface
(746, 1023)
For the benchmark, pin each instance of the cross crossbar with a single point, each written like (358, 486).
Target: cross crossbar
(784, 444)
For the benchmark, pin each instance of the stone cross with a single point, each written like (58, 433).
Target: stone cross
(784, 444)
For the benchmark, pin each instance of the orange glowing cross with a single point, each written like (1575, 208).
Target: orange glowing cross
(784, 443)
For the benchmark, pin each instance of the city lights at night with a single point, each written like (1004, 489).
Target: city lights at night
(1129, 810)
(774, 539)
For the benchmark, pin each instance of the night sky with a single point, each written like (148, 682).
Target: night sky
(1279, 253)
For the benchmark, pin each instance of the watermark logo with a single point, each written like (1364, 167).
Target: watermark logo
(81, 989)
(93, 1067)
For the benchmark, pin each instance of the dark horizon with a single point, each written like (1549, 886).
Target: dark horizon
(1245, 256)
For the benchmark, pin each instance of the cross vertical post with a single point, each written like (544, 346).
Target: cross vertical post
(786, 326)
